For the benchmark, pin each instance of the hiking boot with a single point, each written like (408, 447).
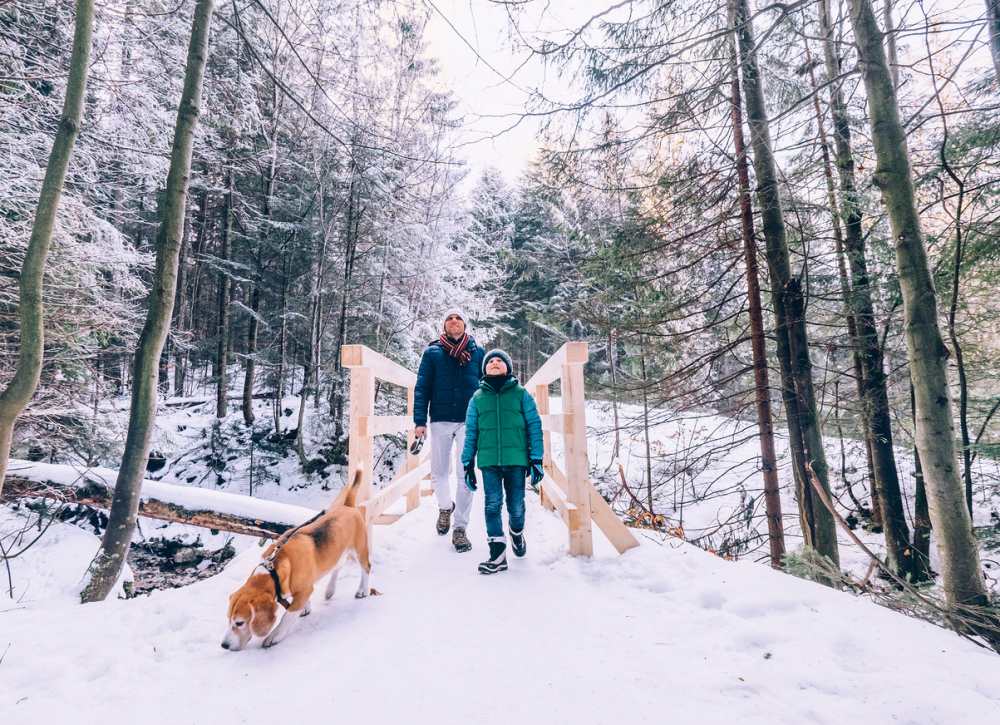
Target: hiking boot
(444, 520)
(517, 543)
(498, 556)
(459, 540)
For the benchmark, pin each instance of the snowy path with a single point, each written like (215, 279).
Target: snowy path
(665, 634)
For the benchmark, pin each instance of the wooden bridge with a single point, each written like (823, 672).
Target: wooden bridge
(566, 489)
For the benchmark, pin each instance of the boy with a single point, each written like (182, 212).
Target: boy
(502, 430)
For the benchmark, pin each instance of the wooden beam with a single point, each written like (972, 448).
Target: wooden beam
(602, 514)
(541, 393)
(555, 423)
(360, 356)
(359, 446)
(575, 452)
(412, 461)
(380, 425)
(90, 492)
(558, 500)
(571, 353)
(376, 505)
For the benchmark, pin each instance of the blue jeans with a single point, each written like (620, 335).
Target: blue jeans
(496, 481)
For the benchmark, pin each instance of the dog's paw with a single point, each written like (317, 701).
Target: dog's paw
(269, 642)
(306, 612)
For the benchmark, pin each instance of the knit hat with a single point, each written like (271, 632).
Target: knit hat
(455, 311)
(497, 352)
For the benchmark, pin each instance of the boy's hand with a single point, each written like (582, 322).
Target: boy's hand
(470, 476)
(537, 473)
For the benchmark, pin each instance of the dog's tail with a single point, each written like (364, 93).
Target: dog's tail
(348, 495)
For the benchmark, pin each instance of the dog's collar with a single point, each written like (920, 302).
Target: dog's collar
(269, 567)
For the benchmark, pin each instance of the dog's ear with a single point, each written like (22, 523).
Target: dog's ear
(262, 616)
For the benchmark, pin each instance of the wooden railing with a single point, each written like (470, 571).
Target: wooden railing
(366, 367)
(568, 493)
(571, 493)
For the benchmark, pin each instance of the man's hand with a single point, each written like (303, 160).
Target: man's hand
(537, 473)
(470, 476)
(420, 431)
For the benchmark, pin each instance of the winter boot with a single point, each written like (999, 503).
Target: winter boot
(459, 540)
(498, 556)
(444, 520)
(517, 543)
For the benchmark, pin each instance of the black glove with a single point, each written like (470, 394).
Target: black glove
(470, 476)
(537, 473)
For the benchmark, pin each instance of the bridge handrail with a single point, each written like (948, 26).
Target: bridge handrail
(361, 356)
(571, 353)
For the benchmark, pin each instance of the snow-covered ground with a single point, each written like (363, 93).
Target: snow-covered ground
(665, 633)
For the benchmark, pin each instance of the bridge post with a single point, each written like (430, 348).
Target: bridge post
(581, 541)
(360, 445)
(412, 461)
(541, 395)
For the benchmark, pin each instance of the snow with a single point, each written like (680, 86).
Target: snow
(665, 633)
(190, 497)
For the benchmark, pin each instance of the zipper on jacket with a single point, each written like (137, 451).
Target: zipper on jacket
(499, 434)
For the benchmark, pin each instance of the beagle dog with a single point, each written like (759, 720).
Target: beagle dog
(292, 566)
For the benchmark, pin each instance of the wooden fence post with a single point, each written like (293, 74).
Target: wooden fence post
(360, 448)
(412, 461)
(575, 446)
(542, 401)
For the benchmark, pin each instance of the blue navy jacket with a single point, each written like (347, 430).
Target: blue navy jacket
(444, 386)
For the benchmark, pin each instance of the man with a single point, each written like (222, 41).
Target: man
(446, 380)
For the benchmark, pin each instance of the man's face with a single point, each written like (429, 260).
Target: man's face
(496, 366)
(454, 326)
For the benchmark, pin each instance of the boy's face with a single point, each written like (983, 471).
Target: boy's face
(496, 366)
(454, 326)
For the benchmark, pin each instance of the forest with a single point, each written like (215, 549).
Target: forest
(777, 227)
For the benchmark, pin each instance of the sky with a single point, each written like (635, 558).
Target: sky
(491, 88)
(492, 79)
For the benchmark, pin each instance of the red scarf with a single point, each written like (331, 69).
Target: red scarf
(458, 350)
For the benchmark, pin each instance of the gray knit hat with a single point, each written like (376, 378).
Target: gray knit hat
(455, 311)
(497, 352)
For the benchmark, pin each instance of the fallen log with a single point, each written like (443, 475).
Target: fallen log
(181, 504)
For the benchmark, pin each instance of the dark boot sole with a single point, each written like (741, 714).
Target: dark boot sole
(461, 549)
(492, 569)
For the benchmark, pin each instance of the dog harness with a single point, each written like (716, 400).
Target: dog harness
(269, 567)
(268, 563)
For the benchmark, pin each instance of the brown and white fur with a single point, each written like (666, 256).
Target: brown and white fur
(310, 553)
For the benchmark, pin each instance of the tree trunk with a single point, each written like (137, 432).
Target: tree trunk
(993, 18)
(279, 382)
(31, 311)
(645, 425)
(248, 379)
(928, 356)
(786, 291)
(108, 563)
(875, 399)
(921, 514)
(222, 353)
(845, 291)
(890, 41)
(180, 310)
(762, 386)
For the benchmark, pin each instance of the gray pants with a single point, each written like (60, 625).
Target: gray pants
(446, 437)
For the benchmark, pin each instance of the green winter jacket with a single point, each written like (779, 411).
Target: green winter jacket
(502, 429)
